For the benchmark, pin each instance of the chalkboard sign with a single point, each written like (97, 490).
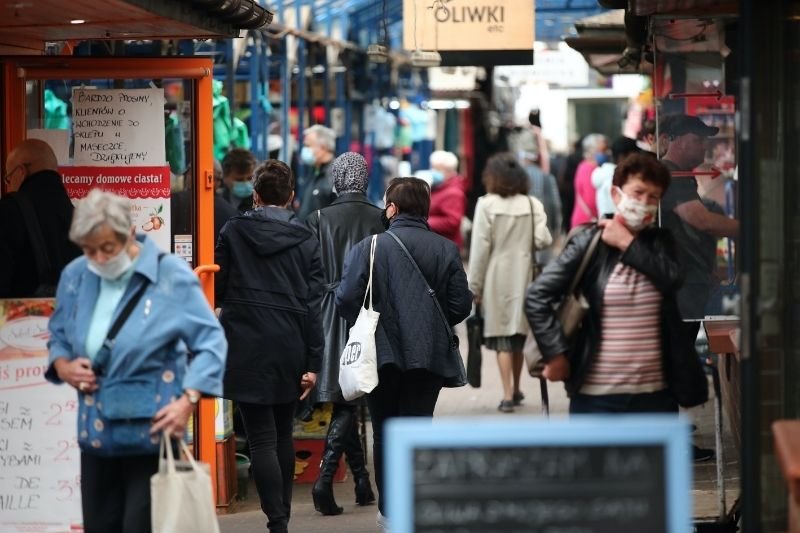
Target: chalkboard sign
(583, 475)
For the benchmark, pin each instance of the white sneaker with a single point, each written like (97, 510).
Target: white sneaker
(383, 522)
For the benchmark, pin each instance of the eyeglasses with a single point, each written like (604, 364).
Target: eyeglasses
(7, 175)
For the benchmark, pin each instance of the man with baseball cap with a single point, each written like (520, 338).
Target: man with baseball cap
(695, 228)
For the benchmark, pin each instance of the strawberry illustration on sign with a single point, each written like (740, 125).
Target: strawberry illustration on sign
(156, 221)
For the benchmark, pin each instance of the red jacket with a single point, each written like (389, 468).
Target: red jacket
(448, 205)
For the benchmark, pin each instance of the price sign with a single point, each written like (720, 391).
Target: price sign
(39, 455)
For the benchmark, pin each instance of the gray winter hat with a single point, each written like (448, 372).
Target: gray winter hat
(350, 173)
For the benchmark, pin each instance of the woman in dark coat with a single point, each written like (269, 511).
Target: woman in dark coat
(269, 288)
(413, 343)
(348, 220)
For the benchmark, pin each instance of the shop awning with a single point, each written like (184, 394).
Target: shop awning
(26, 25)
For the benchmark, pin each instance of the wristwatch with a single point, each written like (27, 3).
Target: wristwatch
(192, 396)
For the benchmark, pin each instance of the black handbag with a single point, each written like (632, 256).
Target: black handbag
(474, 341)
(455, 354)
(684, 373)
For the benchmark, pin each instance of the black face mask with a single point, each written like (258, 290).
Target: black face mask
(533, 118)
(385, 220)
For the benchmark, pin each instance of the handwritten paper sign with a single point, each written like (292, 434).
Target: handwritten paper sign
(593, 475)
(118, 127)
(39, 455)
(146, 187)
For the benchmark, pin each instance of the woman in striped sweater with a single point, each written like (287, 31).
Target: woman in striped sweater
(616, 361)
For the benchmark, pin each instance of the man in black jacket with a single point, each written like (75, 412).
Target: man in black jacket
(31, 176)
(319, 147)
(347, 221)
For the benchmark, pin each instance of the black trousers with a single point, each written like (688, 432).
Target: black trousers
(411, 393)
(269, 432)
(116, 493)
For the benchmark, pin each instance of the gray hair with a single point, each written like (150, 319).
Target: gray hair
(98, 208)
(448, 160)
(591, 143)
(325, 137)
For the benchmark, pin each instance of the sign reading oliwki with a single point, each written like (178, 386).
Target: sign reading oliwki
(453, 27)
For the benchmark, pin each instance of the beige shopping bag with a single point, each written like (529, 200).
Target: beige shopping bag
(181, 494)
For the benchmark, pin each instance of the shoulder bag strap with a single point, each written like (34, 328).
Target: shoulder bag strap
(533, 240)
(585, 261)
(373, 245)
(431, 292)
(44, 268)
(126, 311)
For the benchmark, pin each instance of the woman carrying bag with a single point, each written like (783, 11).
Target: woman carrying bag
(625, 356)
(414, 343)
(509, 226)
(126, 317)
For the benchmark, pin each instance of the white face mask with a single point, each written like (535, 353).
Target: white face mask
(114, 267)
(637, 215)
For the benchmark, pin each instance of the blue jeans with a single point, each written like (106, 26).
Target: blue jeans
(654, 402)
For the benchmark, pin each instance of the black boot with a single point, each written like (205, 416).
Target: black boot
(355, 459)
(322, 492)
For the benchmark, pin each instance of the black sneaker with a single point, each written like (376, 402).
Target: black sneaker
(702, 455)
(517, 398)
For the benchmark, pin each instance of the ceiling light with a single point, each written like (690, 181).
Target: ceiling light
(77, 21)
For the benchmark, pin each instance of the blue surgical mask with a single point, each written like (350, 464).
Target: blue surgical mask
(437, 178)
(601, 158)
(242, 189)
(307, 155)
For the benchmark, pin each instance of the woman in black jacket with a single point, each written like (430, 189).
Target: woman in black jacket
(619, 359)
(348, 220)
(269, 288)
(413, 343)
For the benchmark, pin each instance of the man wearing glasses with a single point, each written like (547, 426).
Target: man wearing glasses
(35, 215)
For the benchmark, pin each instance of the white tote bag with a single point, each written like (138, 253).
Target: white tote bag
(358, 366)
(181, 494)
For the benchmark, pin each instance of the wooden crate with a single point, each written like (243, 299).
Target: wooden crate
(307, 456)
(227, 486)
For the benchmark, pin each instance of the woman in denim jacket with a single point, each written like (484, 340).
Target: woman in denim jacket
(138, 386)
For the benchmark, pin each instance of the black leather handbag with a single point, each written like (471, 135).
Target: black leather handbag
(475, 340)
